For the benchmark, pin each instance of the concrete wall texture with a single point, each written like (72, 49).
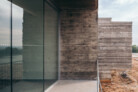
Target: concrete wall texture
(79, 41)
(115, 41)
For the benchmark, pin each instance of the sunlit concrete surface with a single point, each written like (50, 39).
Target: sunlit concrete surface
(73, 86)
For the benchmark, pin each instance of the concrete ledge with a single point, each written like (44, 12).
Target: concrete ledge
(73, 86)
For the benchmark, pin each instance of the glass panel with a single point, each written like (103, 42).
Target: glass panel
(51, 45)
(5, 47)
(27, 45)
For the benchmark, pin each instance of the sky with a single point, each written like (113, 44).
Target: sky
(121, 10)
(5, 12)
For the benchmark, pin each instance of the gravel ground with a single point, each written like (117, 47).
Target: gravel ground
(121, 84)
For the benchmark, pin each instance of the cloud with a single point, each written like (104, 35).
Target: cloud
(122, 2)
(5, 8)
(17, 12)
(5, 15)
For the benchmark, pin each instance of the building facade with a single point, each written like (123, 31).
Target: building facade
(78, 43)
(42, 41)
(115, 46)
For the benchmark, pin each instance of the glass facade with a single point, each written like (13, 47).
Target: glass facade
(28, 45)
(5, 45)
(51, 45)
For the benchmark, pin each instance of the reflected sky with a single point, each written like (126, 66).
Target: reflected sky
(121, 10)
(5, 24)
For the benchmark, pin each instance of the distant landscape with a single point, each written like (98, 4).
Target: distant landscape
(134, 49)
(5, 54)
(5, 51)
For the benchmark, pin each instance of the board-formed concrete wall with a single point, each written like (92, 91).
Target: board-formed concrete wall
(79, 43)
(115, 41)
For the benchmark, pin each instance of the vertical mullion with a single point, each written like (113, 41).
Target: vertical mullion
(43, 45)
(58, 45)
(11, 47)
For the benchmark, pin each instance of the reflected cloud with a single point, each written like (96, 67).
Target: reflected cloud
(5, 23)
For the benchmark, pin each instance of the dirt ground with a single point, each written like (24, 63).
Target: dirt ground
(119, 83)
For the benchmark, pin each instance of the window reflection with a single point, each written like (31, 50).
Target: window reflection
(51, 45)
(28, 46)
(5, 68)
